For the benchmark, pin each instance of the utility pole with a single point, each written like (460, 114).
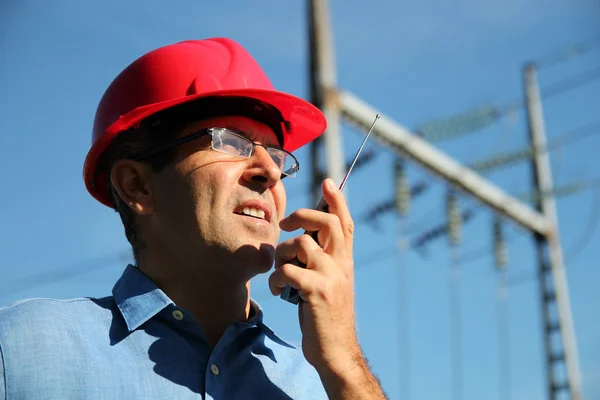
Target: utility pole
(552, 277)
(323, 84)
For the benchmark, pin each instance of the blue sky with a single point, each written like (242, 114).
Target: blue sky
(413, 61)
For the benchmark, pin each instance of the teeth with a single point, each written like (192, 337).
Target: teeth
(254, 212)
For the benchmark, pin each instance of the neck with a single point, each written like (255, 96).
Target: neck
(215, 301)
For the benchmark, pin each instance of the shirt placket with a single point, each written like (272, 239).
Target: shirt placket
(218, 373)
(185, 325)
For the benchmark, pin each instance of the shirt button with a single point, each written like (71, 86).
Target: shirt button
(178, 315)
(214, 369)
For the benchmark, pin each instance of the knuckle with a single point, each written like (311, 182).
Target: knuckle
(349, 227)
(304, 240)
(288, 272)
(285, 269)
(333, 221)
(326, 292)
(301, 213)
(297, 212)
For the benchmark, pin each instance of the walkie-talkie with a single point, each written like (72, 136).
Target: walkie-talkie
(289, 293)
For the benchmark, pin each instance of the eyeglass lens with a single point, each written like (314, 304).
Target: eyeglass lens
(229, 142)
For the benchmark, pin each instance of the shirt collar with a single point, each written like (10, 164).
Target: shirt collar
(256, 312)
(138, 298)
(257, 319)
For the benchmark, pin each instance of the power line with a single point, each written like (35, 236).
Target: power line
(587, 233)
(574, 135)
(374, 212)
(568, 53)
(368, 155)
(572, 188)
(479, 252)
(483, 251)
(440, 230)
(104, 261)
(560, 191)
(569, 137)
(488, 164)
(573, 82)
(494, 162)
(473, 120)
(579, 245)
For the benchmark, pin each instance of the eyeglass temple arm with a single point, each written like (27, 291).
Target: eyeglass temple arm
(174, 143)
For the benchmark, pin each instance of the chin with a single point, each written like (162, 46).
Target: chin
(256, 258)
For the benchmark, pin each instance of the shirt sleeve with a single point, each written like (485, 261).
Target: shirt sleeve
(2, 376)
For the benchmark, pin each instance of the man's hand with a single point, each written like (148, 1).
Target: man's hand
(326, 289)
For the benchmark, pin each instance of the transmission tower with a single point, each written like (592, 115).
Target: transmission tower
(340, 104)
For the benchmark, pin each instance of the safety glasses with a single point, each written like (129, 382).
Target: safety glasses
(234, 143)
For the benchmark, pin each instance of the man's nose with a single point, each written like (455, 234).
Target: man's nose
(262, 168)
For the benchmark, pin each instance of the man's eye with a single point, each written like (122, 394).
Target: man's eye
(229, 147)
(279, 159)
(230, 142)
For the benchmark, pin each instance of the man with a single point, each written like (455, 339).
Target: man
(190, 145)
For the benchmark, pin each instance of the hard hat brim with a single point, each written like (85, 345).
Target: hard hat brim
(306, 123)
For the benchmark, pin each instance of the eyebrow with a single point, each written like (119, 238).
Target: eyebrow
(252, 133)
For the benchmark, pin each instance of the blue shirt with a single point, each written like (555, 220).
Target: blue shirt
(137, 344)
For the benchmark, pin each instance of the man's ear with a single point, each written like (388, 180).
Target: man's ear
(131, 179)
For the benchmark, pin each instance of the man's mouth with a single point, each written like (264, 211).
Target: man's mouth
(255, 209)
(253, 212)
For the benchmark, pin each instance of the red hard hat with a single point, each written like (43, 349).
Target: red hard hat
(182, 72)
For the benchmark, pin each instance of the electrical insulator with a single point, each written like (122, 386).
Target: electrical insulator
(454, 218)
(500, 255)
(460, 124)
(402, 198)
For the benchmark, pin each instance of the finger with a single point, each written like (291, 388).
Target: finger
(328, 227)
(339, 207)
(300, 279)
(307, 219)
(303, 248)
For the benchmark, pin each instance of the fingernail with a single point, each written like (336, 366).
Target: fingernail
(331, 184)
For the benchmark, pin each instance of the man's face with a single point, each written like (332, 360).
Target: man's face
(201, 200)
